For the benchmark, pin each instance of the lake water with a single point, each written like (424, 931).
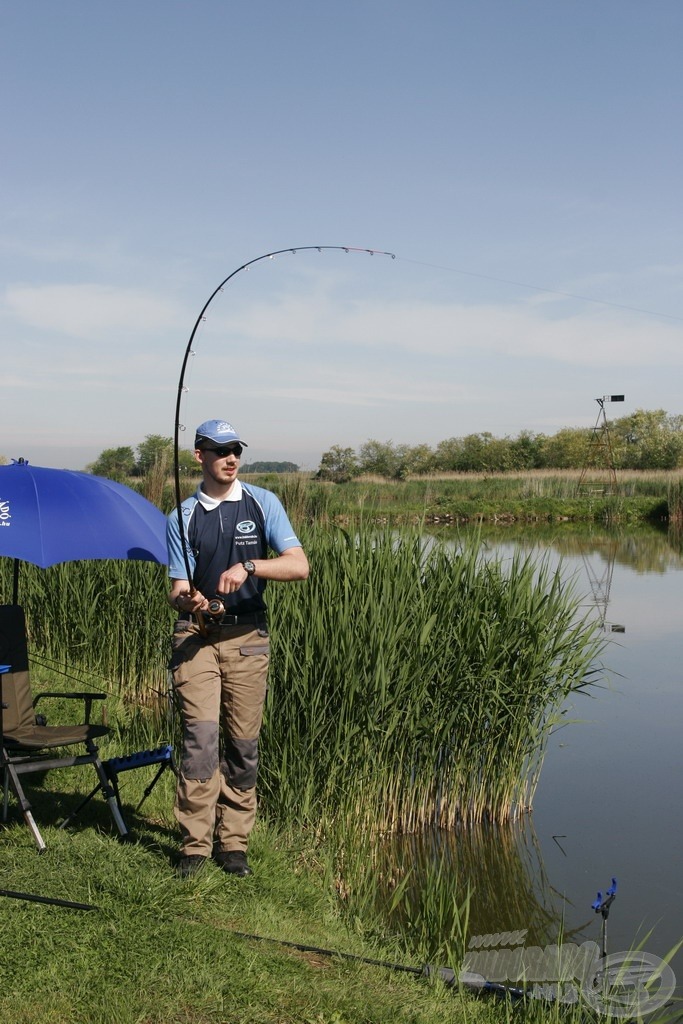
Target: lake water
(611, 786)
(609, 799)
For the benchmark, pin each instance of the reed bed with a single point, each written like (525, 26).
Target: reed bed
(413, 682)
(535, 495)
(416, 683)
(107, 621)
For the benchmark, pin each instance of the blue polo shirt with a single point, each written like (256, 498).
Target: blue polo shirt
(219, 534)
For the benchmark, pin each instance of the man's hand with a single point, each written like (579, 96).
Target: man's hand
(182, 600)
(232, 579)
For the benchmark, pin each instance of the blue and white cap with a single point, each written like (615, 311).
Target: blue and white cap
(215, 434)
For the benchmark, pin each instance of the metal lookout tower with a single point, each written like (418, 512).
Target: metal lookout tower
(600, 455)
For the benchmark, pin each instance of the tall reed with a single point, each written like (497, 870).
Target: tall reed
(417, 684)
(675, 499)
(107, 620)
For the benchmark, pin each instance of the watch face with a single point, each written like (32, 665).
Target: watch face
(249, 567)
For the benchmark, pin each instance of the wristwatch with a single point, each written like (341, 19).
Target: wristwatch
(249, 568)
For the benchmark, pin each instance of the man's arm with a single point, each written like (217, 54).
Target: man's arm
(179, 596)
(290, 564)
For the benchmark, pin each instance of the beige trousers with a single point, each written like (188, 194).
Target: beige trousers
(220, 684)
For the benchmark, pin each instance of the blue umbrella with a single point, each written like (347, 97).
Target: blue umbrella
(60, 515)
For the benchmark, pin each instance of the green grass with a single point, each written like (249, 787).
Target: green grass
(158, 949)
(212, 950)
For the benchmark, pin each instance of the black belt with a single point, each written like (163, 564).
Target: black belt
(247, 619)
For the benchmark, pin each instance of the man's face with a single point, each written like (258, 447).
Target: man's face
(220, 464)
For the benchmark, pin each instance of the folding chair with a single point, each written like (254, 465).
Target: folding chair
(28, 744)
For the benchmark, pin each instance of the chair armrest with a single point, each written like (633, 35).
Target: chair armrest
(87, 698)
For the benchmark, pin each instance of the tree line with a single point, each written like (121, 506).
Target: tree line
(154, 455)
(643, 440)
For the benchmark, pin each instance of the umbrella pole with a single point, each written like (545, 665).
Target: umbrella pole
(15, 582)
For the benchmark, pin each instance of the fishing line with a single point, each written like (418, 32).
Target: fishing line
(539, 288)
(189, 351)
(84, 682)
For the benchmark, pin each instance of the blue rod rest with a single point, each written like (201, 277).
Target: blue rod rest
(161, 755)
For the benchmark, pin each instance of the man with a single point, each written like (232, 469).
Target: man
(220, 645)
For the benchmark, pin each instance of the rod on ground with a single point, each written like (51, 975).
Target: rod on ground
(50, 900)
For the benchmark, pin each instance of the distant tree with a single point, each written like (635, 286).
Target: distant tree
(419, 459)
(187, 464)
(381, 458)
(154, 450)
(338, 464)
(567, 449)
(448, 455)
(499, 455)
(525, 450)
(114, 463)
(647, 440)
(475, 455)
(644, 440)
(270, 467)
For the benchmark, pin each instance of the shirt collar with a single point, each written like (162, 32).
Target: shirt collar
(210, 503)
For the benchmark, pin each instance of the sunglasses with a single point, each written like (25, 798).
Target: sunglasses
(220, 453)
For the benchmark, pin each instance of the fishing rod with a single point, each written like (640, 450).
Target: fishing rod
(50, 901)
(181, 382)
(470, 980)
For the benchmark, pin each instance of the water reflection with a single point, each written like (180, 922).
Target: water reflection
(609, 798)
(500, 866)
(642, 548)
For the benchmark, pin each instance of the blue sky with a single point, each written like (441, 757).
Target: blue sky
(521, 159)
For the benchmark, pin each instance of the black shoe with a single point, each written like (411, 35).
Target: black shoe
(189, 866)
(233, 862)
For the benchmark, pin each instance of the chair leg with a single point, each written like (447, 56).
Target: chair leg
(111, 798)
(12, 776)
(40, 842)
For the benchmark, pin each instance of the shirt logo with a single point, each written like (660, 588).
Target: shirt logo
(246, 526)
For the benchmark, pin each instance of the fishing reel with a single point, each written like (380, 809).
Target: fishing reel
(215, 608)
